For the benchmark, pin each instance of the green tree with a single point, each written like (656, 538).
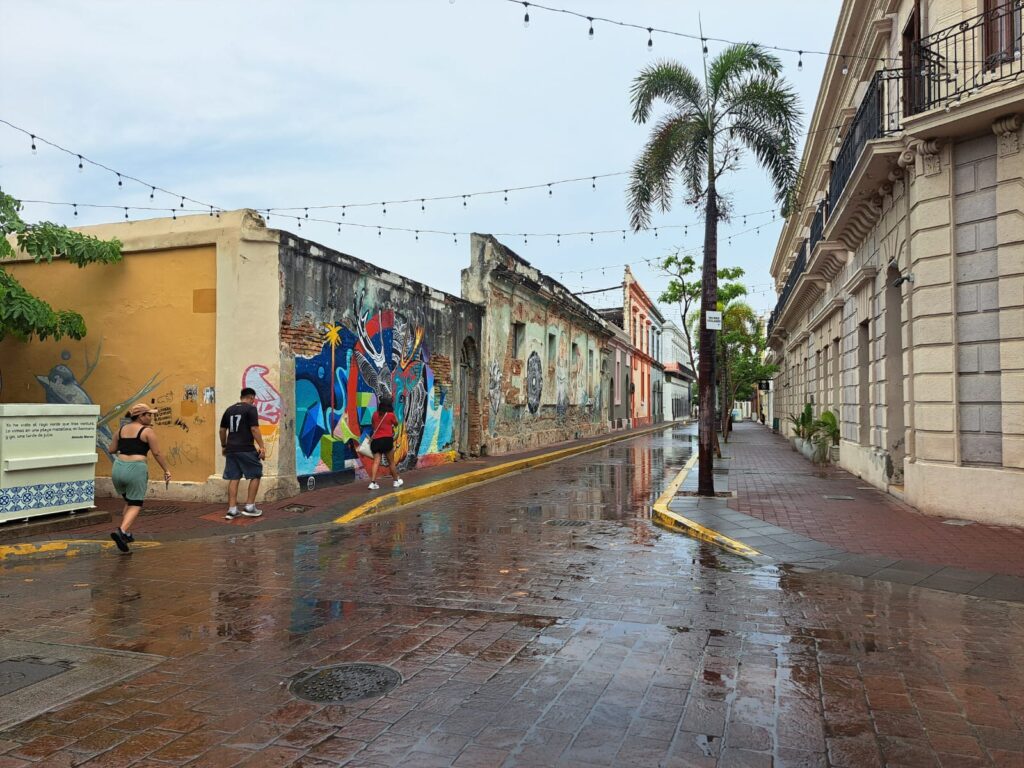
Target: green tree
(22, 314)
(741, 346)
(742, 103)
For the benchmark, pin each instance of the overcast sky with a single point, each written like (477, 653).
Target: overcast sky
(273, 104)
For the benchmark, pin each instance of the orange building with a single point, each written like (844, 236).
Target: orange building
(644, 324)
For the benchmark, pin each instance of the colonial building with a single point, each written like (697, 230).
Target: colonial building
(675, 358)
(643, 323)
(545, 352)
(901, 269)
(621, 362)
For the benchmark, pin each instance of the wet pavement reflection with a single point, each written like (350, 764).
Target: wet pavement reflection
(540, 619)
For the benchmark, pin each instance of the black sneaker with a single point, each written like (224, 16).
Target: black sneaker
(121, 540)
(128, 537)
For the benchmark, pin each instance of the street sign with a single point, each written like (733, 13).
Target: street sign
(764, 385)
(713, 321)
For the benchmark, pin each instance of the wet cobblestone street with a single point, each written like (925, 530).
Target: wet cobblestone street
(520, 642)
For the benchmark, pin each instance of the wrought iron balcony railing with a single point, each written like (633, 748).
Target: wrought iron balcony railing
(817, 226)
(955, 61)
(794, 274)
(879, 114)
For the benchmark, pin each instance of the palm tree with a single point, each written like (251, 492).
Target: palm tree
(742, 103)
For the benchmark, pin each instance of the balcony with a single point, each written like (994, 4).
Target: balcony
(961, 59)
(879, 115)
(795, 272)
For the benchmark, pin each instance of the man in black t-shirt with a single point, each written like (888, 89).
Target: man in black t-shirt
(239, 437)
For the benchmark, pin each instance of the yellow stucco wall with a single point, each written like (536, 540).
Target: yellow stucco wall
(152, 336)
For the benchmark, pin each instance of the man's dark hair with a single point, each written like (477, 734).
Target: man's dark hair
(248, 392)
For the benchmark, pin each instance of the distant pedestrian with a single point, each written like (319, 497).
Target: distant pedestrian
(382, 441)
(130, 473)
(239, 437)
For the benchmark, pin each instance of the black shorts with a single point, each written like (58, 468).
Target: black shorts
(239, 465)
(383, 445)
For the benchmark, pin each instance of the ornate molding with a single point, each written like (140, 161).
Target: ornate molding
(828, 259)
(924, 154)
(830, 308)
(858, 278)
(1007, 130)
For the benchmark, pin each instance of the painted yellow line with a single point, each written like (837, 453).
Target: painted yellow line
(62, 548)
(449, 484)
(664, 516)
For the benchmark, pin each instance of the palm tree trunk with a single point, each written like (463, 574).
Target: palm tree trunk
(706, 375)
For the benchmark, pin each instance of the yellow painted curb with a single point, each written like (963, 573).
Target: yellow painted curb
(449, 484)
(62, 548)
(664, 516)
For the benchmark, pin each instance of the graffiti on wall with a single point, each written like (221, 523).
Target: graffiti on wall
(534, 382)
(379, 353)
(62, 385)
(267, 401)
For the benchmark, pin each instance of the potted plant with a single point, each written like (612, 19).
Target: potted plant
(826, 447)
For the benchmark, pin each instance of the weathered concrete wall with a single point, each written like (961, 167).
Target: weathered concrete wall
(352, 333)
(543, 351)
(163, 327)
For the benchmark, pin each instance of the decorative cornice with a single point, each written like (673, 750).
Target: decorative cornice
(828, 259)
(798, 340)
(1007, 130)
(830, 308)
(858, 278)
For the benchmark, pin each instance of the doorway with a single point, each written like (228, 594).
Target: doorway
(469, 408)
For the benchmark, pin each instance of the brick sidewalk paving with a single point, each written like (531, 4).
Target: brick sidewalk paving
(778, 485)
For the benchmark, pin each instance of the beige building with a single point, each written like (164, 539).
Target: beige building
(901, 271)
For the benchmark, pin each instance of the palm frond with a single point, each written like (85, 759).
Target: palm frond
(738, 62)
(678, 145)
(666, 81)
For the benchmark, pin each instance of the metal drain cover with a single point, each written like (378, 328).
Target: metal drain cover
(341, 683)
(839, 498)
(566, 523)
(299, 508)
(16, 674)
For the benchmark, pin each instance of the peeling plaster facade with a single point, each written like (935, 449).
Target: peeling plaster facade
(546, 354)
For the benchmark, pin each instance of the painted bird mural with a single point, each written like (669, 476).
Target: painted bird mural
(62, 387)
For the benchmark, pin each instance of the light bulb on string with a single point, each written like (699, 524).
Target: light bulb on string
(75, 207)
(417, 234)
(549, 190)
(211, 211)
(339, 229)
(623, 235)
(343, 211)
(655, 231)
(525, 239)
(846, 69)
(298, 221)
(306, 211)
(558, 239)
(704, 42)
(455, 237)
(174, 214)
(590, 34)
(422, 206)
(126, 214)
(506, 197)
(800, 61)
(80, 166)
(591, 240)
(650, 39)
(34, 151)
(526, 16)
(182, 204)
(464, 201)
(152, 191)
(378, 232)
(120, 183)
(384, 209)
(268, 215)
(593, 182)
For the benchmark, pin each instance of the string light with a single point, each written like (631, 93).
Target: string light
(689, 35)
(152, 191)
(800, 61)
(80, 166)
(34, 151)
(126, 214)
(506, 197)
(549, 190)
(182, 204)
(119, 181)
(211, 211)
(384, 209)
(343, 211)
(174, 214)
(650, 38)
(846, 68)
(526, 16)
(75, 206)
(590, 34)
(307, 213)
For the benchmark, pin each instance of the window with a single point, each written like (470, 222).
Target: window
(590, 361)
(618, 377)
(575, 356)
(519, 340)
(552, 348)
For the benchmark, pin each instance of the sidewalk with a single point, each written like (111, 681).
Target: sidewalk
(176, 520)
(783, 507)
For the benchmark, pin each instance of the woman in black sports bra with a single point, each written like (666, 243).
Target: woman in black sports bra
(130, 474)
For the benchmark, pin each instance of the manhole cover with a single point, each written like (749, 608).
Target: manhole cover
(161, 510)
(344, 682)
(299, 508)
(16, 674)
(566, 523)
(839, 498)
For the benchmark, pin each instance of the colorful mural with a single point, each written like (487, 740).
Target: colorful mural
(337, 390)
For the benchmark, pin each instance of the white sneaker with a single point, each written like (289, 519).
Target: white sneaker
(399, 483)
(251, 512)
(374, 487)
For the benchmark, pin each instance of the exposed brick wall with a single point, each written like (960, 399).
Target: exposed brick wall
(303, 339)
